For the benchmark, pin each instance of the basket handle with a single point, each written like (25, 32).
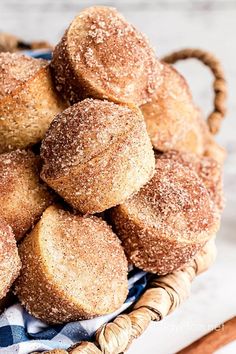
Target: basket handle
(215, 118)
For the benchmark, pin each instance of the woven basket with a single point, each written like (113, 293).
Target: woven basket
(163, 294)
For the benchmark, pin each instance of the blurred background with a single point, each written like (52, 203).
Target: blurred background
(170, 25)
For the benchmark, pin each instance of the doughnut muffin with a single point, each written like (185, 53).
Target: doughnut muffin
(28, 101)
(208, 169)
(96, 154)
(73, 267)
(165, 224)
(23, 197)
(9, 259)
(171, 117)
(102, 56)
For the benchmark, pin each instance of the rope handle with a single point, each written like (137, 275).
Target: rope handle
(215, 118)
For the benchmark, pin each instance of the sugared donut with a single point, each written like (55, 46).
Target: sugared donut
(208, 169)
(96, 154)
(167, 221)
(28, 101)
(9, 259)
(23, 197)
(102, 56)
(171, 117)
(73, 267)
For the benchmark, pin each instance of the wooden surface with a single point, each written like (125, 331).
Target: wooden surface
(170, 25)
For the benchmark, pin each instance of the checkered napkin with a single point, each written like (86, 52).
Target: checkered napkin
(21, 333)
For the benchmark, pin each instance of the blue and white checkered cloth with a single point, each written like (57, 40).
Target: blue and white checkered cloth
(21, 333)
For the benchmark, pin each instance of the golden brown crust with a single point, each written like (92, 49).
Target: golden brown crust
(9, 259)
(171, 117)
(73, 267)
(96, 154)
(102, 56)
(16, 70)
(168, 221)
(28, 101)
(208, 169)
(23, 197)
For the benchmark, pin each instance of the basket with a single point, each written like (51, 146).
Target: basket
(162, 294)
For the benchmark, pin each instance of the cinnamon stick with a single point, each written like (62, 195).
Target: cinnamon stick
(214, 340)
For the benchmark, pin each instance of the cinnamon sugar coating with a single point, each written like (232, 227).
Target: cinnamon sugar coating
(28, 101)
(102, 56)
(171, 117)
(23, 197)
(208, 169)
(9, 259)
(16, 70)
(73, 267)
(167, 221)
(96, 154)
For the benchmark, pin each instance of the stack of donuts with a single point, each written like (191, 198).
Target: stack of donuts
(105, 163)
